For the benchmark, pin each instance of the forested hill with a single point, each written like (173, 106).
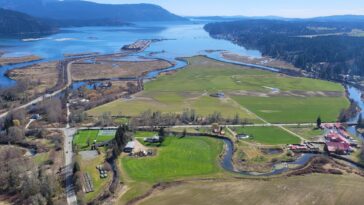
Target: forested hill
(328, 49)
(14, 24)
(84, 10)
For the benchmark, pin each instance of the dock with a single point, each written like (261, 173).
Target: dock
(137, 46)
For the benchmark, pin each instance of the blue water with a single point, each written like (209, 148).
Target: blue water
(355, 95)
(186, 39)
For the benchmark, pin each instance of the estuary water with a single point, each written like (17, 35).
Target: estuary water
(178, 40)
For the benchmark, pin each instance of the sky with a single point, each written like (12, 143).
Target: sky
(284, 8)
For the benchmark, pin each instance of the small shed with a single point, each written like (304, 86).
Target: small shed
(154, 139)
(129, 147)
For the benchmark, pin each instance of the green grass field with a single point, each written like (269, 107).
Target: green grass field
(83, 136)
(268, 135)
(143, 134)
(294, 109)
(177, 158)
(191, 87)
(309, 133)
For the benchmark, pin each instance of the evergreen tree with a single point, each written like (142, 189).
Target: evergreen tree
(318, 122)
(161, 134)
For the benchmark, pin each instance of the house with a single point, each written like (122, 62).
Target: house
(154, 139)
(345, 134)
(336, 137)
(337, 147)
(129, 147)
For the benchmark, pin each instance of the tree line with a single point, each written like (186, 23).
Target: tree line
(323, 48)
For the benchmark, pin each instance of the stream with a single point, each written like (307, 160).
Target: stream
(226, 162)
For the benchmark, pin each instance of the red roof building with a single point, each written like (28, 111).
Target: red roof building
(337, 147)
(336, 137)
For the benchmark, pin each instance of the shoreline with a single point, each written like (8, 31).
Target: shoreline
(18, 60)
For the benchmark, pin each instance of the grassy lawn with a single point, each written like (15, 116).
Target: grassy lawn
(121, 120)
(41, 157)
(177, 158)
(142, 134)
(83, 136)
(191, 87)
(308, 133)
(89, 166)
(268, 135)
(286, 191)
(294, 109)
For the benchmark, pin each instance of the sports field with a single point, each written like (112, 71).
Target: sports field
(177, 158)
(268, 135)
(82, 138)
(274, 97)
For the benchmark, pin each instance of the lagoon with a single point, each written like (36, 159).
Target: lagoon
(179, 40)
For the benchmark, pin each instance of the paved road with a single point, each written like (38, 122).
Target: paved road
(208, 126)
(68, 152)
(28, 124)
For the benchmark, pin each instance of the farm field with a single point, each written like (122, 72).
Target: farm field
(176, 158)
(282, 109)
(274, 97)
(82, 138)
(268, 135)
(293, 190)
(170, 102)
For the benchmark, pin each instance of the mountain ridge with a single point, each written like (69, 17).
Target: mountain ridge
(85, 10)
(13, 23)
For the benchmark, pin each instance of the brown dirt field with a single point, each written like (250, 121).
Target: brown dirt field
(16, 60)
(40, 77)
(264, 61)
(310, 189)
(109, 69)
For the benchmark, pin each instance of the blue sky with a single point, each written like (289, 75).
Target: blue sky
(286, 8)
